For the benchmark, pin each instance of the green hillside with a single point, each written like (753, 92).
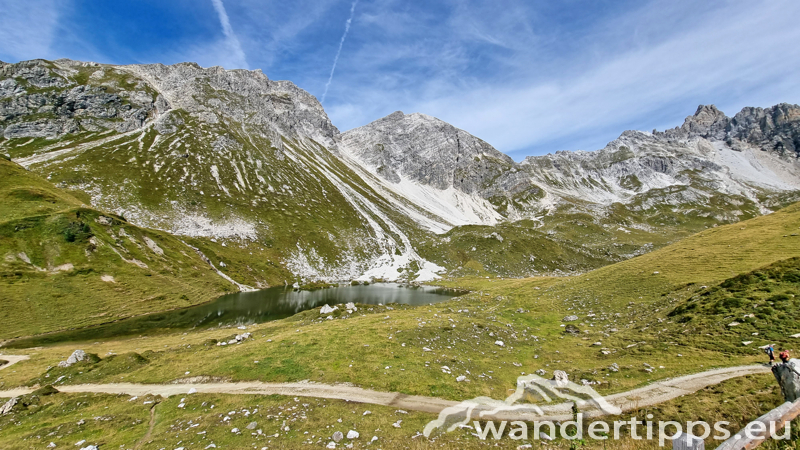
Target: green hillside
(625, 317)
(65, 265)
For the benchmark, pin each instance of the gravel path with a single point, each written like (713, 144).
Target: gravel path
(652, 394)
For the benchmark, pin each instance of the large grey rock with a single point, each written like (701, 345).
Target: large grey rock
(788, 377)
(561, 378)
(76, 356)
(8, 406)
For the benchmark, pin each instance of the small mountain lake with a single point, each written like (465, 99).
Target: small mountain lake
(246, 308)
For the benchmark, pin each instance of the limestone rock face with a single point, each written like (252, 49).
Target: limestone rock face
(425, 149)
(754, 152)
(277, 108)
(775, 129)
(61, 105)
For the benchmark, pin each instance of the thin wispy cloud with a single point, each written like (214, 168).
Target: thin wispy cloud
(19, 39)
(620, 73)
(529, 78)
(339, 51)
(232, 41)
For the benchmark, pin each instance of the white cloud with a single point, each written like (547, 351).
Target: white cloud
(238, 57)
(744, 53)
(18, 20)
(339, 50)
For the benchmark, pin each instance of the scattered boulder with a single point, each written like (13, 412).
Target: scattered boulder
(561, 378)
(499, 343)
(76, 356)
(614, 367)
(338, 436)
(252, 425)
(352, 434)
(237, 339)
(572, 329)
(327, 309)
(8, 406)
(571, 318)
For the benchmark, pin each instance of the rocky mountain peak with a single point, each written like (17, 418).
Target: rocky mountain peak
(424, 149)
(707, 121)
(244, 96)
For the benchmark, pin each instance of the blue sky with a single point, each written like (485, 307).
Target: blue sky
(529, 77)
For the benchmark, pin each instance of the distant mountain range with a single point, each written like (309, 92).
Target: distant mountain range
(251, 173)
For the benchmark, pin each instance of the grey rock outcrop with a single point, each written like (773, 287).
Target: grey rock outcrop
(8, 406)
(276, 108)
(742, 157)
(76, 356)
(775, 129)
(561, 378)
(788, 377)
(427, 150)
(42, 99)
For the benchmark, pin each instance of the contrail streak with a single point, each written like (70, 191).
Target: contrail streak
(227, 30)
(341, 43)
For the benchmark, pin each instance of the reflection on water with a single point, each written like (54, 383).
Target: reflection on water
(247, 308)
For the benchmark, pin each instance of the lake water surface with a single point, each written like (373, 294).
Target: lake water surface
(246, 308)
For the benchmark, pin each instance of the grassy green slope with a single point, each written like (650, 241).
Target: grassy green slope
(67, 266)
(624, 307)
(25, 194)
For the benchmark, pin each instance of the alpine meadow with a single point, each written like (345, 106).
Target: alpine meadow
(196, 257)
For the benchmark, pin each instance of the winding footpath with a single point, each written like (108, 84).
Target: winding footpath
(652, 394)
(12, 359)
